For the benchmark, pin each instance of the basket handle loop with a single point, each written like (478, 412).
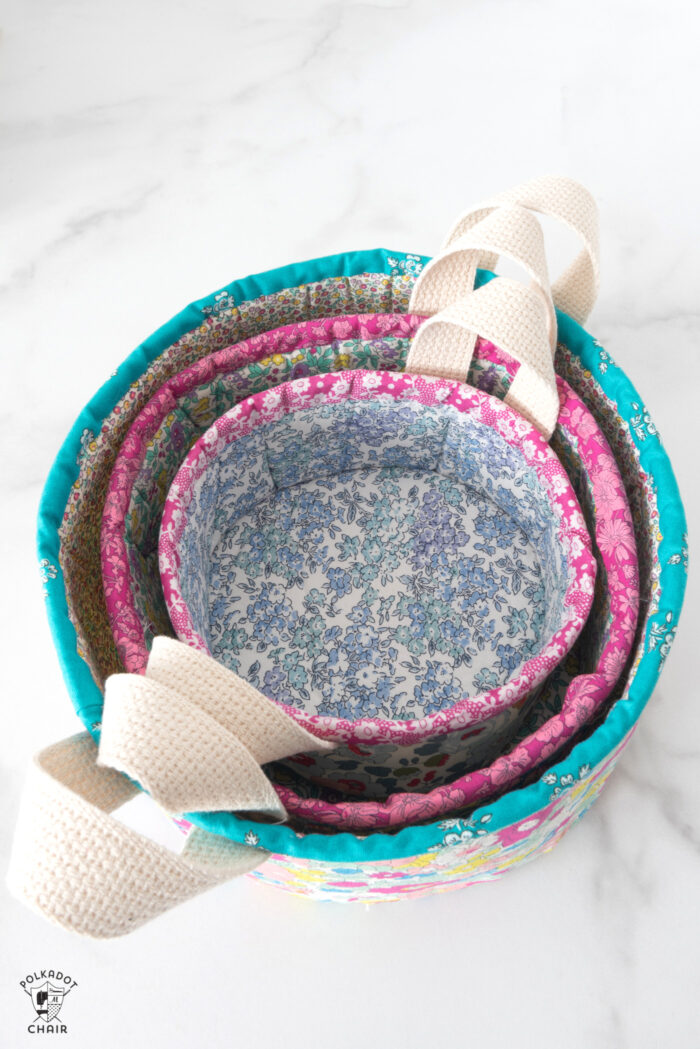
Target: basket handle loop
(444, 344)
(576, 290)
(76, 865)
(194, 735)
(513, 317)
(509, 230)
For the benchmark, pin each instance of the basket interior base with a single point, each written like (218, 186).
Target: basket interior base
(391, 593)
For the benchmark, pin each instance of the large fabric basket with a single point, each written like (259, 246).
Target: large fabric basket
(486, 841)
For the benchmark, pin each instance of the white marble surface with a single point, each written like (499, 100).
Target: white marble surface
(152, 151)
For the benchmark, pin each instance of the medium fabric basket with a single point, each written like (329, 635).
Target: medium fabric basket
(181, 409)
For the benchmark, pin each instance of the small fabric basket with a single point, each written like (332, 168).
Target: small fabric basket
(313, 448)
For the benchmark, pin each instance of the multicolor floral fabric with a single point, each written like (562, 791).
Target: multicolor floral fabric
(468, 852)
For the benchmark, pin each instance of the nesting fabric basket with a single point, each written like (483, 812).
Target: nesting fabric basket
(303, 802)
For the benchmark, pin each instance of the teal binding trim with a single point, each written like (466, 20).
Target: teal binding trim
(412, 841)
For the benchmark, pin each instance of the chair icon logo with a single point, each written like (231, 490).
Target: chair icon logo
(47, 990)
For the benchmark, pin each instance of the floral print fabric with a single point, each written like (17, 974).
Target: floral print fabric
(469, 851)
(217, 326)
(385, 591)
(570, 701)
(454, 437)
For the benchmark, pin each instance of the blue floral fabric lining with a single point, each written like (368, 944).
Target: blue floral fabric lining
(372, 559)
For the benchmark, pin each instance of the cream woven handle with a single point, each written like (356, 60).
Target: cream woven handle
(509, 230)
(445, 344)
(262, 726)
(186, 759)
(575, 291)
(76, 865)
(516, 319)
(194, 736)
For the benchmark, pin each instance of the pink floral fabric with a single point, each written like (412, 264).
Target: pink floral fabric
(470, 852)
